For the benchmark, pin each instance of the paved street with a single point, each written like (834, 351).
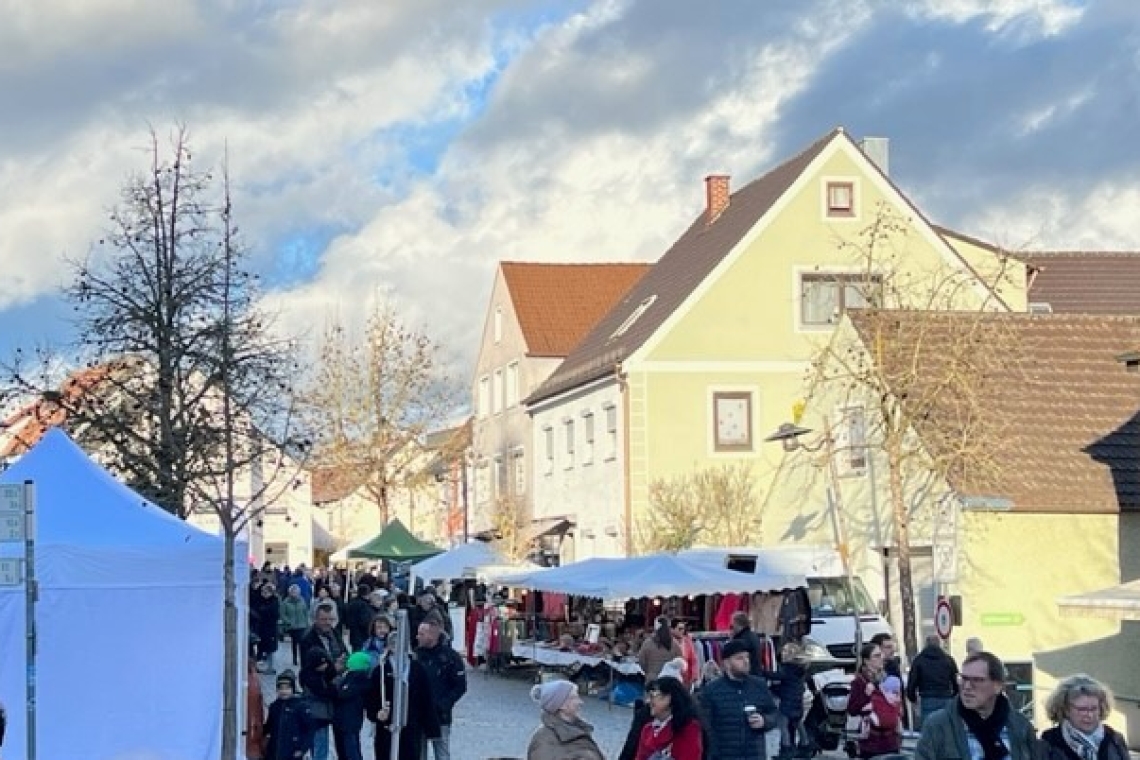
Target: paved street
(497, 717)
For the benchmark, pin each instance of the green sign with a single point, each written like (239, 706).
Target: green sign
(1002, 618)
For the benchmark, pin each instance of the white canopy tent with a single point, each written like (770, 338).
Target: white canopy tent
(652, 575)
(129, 620)
(470, 560)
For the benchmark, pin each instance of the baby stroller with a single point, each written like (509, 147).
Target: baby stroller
(826, 721)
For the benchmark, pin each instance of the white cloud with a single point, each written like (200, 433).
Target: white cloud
(1022, 19)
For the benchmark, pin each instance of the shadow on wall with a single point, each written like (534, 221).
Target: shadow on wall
(1111, 660)
(1117, 451)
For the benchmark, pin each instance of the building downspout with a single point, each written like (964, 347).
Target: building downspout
(627, 491)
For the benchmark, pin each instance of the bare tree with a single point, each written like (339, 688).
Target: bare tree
(509, 520)
(714, 506)
(910, 380)
(373, 401)
(186, 391)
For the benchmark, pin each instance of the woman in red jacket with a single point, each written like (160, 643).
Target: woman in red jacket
(675, 730)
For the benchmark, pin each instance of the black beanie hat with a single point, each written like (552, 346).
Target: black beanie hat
(287, 677)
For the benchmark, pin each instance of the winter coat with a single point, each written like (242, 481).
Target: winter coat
(752, 641)
(254, 717)
(560, 739)
(289, 730)
(294, 614)
(423, 723)
(447, 674)
(651, 657)
(722, 704)
(790, 680)
(641, 718)
(332, 644)
(265, 616)
(348, 711)
(859, 703)
(932, 674)
(1112, 747)
(318, 685)
(944, 736)
(358, 619)
(684, 745)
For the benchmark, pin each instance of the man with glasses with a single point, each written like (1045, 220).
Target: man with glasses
(980, 724)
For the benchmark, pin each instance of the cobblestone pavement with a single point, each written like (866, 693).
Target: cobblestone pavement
(496, 717)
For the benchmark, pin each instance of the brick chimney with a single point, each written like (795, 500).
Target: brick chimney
(716, 196)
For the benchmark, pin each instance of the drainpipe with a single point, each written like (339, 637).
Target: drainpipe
(627, 491)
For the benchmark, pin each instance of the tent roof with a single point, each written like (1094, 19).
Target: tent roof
(463, 561)
(78, 502)
(647, 576)
(395, 542)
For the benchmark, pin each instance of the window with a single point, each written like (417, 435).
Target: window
(568, 426)
(484, 400)
(851, 441)
(500, 477)
(825, 296)
(518, 465)
(611, 432)
(633, 317)
(512, 384)
(732, 421)
(498, 327)
(497, 392)
(482, 482)
(840, 199)
(587, 437)
(548, 449)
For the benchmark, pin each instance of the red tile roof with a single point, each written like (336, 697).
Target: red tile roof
(1089, 282)
(1054, 398)
(558, 304)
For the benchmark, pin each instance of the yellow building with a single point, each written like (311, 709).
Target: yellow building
(707, 353)
(1019, 472)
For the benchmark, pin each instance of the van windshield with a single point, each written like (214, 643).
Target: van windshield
(833, 597)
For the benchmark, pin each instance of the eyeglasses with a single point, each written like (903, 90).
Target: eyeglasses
(654, 694)
(1085, 709)
(972, 680)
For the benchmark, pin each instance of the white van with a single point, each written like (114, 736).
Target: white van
(835, 603)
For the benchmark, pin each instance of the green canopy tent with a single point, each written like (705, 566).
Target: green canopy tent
(395, 543)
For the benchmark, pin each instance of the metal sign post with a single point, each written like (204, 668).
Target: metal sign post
(18, 525)
(400, 660)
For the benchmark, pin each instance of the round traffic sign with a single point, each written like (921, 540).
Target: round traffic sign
(943, 618)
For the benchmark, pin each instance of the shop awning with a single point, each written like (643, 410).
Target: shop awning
(1116, 602)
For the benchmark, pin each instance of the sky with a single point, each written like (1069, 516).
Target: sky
(399, 150)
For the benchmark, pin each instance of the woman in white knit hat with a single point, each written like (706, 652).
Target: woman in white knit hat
(563, 734)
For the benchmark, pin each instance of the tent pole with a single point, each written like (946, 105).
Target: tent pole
(30, 593)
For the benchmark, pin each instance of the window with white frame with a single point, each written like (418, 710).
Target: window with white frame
(611, 432)
(512, 384)
(498, 325)
(825, 296)
(587, 437)
(548, 449)
(497, 392)
(518, 465)
(484, 401)
(851, 441)
(568, 430)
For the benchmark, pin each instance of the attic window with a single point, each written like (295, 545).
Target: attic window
(633, 317)
(840, 199)
(1040, 307)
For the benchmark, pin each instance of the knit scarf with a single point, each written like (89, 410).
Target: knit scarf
(988, 730)
(1085, 745)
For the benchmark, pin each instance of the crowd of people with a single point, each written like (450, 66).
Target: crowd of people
(348, 668)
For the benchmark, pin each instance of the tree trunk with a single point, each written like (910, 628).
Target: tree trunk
(902, 551)
(230, 630)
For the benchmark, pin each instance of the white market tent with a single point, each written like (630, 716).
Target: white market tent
(469, 560)
(613, 579)
(129, 620)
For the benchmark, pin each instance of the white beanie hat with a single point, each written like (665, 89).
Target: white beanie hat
(675, 668)
(552, 695)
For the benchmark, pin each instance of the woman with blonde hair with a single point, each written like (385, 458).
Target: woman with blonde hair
(1078, 707)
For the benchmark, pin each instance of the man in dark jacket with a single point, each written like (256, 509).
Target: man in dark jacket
(980, 722)
(737, 708)
(426, 603)
(447, 674)
(742, 632)
(933, 680)
(359, 614)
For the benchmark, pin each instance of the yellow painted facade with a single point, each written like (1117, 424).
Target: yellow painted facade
(741, 329)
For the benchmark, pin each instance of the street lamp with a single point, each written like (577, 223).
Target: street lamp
(789, 434)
